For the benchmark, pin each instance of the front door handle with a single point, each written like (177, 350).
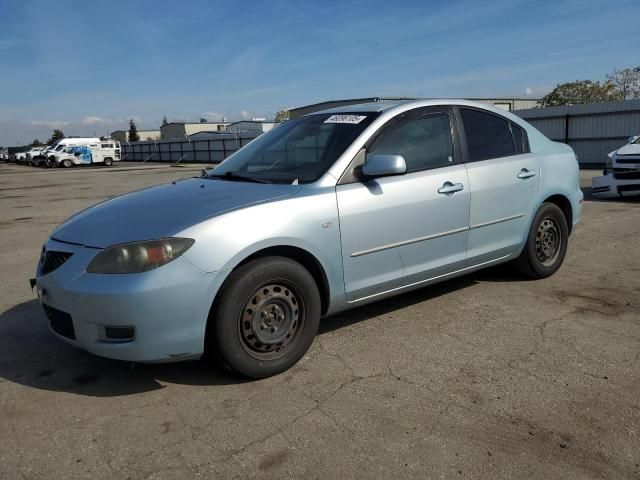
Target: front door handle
(524, 174)
(450, 188)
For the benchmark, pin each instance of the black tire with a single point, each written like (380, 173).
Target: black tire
(546, 245)
(108, 162)
(67, 163)
(265, 319)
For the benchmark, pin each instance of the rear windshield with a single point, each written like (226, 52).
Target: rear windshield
(298, 151)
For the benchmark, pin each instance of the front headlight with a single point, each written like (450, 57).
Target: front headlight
(139, 257)
(608, 166)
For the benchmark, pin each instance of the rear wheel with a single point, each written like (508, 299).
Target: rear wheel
(108, 162)
(546, 245)
(266, 317)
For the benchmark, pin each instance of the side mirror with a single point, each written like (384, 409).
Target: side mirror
(384, 166)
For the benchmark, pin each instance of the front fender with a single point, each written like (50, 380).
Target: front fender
(308, 222)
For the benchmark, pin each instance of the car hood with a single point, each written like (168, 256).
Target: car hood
(629, 149)
(163, 211)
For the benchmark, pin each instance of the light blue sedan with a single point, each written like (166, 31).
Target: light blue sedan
(324, 213)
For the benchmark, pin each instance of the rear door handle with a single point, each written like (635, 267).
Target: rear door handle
(524, 174)
(450, 188)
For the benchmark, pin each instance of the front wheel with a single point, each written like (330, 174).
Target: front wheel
(546, 245)
(67, 163)
(266, 317)
(108, 162)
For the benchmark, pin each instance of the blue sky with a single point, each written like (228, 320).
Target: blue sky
(88, 66)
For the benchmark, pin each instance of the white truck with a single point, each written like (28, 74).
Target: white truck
(621, 177)
(105, 152)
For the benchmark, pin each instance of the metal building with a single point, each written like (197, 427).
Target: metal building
(184, 129)
(123, 135)
(592, 130)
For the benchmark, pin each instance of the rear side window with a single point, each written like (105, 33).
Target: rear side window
(488, 136)
(424, 140)
(519, 139)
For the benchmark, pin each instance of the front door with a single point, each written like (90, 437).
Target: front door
(403, 229)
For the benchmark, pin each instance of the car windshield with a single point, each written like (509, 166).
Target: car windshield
(636, 141)
(298, 151)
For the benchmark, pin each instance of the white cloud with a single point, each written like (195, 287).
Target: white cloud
(244, 114)
(212, 115)
(95, 120)
(537, 91)
(53, 124)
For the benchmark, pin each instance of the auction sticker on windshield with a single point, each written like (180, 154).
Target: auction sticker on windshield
(353, 119)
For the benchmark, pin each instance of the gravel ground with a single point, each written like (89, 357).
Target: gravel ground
(486, 376)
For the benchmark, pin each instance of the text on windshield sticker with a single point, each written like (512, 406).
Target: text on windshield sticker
(353, 119)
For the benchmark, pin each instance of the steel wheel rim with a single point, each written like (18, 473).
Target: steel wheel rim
(548, 241)
(270, 321)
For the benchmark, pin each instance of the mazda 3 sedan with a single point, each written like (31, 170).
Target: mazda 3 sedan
(324, 213)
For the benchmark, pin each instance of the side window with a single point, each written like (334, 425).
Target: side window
(424, 140)
(488, 136)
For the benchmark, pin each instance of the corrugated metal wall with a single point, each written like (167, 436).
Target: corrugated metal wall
(196, 151)
(593, 130)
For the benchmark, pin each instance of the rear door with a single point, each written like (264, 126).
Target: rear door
(503, 178)
(403, 229)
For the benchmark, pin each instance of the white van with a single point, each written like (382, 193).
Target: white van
(71, 142)
(105, 152)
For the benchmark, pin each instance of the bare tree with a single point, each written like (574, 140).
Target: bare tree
(626, 82)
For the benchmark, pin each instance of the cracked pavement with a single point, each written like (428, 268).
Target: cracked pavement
(485, 376)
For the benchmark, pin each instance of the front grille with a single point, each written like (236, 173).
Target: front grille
(60, 322)
(53, 260)
(625, 174)
(627, 160)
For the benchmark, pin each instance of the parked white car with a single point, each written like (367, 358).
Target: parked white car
(32, 154)
(621, 177)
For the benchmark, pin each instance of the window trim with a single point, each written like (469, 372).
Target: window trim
(351, 173)
(463, 136)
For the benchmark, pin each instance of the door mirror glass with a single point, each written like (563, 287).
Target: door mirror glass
(384, 165)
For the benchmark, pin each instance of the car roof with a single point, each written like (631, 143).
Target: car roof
(393, 107)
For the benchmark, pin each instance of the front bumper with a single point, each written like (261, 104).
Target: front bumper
(166, 308)
(606, 186)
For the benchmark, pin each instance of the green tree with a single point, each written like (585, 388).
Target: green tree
(282, 116)
(36, 143)
(203, 120)
(57, 135)
(581, 91)
(165, 121)
(626, 82)
(133, 131)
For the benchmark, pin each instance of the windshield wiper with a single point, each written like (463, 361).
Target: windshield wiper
(234, 177)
